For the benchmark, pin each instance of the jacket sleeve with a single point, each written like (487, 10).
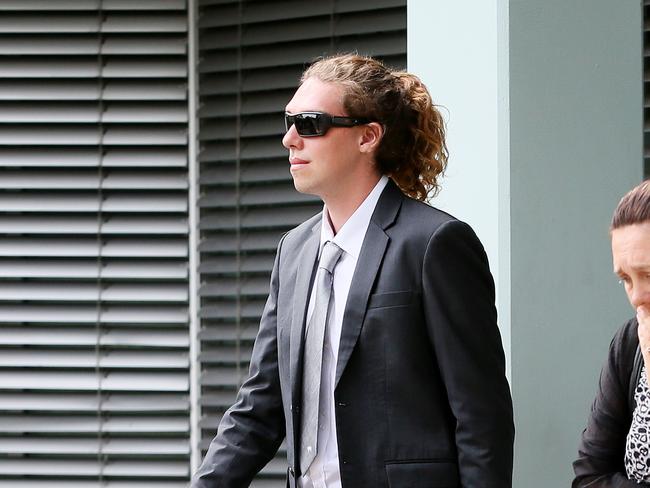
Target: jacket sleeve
(252, 430)
(460, 313)
(600, 462)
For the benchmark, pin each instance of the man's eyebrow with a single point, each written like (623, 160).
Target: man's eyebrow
(640, 267)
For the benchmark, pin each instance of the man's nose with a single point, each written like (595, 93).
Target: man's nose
(640, 295)
(291, 138)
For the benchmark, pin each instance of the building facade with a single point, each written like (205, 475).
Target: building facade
(144, 188)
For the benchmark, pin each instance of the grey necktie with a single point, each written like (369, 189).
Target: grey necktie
(313, 359)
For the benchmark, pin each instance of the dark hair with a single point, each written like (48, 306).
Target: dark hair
(412, 150)
(634, 207)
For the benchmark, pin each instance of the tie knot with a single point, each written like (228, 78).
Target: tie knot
(330, 256)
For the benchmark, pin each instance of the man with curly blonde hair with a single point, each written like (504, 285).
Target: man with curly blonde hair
(378, 357)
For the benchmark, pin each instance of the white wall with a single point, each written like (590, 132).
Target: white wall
(457, 49)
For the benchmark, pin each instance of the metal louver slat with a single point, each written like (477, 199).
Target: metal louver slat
(89, 270)
(111, 22)
(144, 5)
(84, 468)
(88, 424)
(38, 358)
(264, 11)
(81, 247)
(236, 334)
(89, 179)
(230, 311)
(249, 172)
(88, 68)
(252, 55)
(78, 90)
(69, 336)
(81, 135)
(88, 202)
(93, 484)
(90, 45)
(91, 292)
(58, 380)
(258, 241)
(94, 290)
(89, 403)
(40, 5)
(133, 157)
(85, 446)
(87, 225)
(88, 112)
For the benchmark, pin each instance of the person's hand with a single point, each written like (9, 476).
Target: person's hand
(643, 317)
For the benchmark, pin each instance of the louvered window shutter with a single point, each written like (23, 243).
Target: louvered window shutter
(94, 383)
(252, 54)
(646, 87)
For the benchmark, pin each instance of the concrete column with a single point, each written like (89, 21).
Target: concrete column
(545, 108)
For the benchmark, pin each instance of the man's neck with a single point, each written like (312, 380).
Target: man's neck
(341, 207)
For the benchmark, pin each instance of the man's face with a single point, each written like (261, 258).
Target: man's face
(631, 256)
(324, 165)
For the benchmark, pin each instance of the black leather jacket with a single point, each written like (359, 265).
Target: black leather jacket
(601, 454)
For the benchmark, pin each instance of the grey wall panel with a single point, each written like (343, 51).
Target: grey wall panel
(252, 54)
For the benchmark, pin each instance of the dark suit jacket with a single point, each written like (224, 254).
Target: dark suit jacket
(421, 395)
(601, 454)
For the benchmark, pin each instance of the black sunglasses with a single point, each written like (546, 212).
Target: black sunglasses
(313, 124)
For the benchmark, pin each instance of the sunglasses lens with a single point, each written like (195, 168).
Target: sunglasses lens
(309, 124)
(288, 121)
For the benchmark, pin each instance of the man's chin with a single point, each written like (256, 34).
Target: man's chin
(303, 188)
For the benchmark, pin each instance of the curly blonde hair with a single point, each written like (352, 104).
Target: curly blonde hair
(412, 151)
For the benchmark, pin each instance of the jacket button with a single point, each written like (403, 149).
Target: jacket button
(342, 404)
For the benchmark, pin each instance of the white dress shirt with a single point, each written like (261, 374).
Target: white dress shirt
(324, 470)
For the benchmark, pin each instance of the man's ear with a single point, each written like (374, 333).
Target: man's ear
(370, 137)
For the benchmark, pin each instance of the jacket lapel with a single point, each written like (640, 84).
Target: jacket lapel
(370, 258)
(306, 260)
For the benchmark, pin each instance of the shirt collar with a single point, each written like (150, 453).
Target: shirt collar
(350, 236)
